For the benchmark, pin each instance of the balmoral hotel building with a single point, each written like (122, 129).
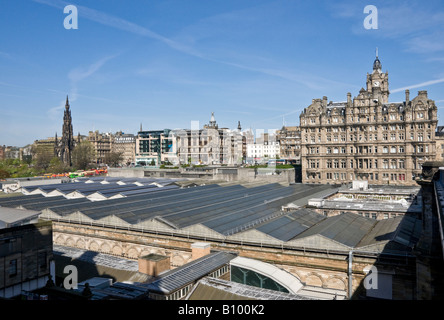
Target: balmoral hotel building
(368, 138)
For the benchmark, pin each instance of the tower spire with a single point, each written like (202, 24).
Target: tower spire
(67, 141)
(377, 66)
(213, 121)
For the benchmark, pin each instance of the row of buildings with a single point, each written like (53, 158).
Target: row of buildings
(7, 152)
(366, 138)
(210, 145)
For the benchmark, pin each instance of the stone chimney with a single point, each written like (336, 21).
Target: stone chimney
(153, 264)
(200, 249)
(324, 101)
(349, 98)
(422, 94)
(407, 97)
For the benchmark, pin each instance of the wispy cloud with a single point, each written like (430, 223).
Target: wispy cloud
(76, 76)
(282, 116)
(429, 43)
(5, 55)
(238, 112)
(418, 28)
(419, 85)
(79, 74)
(53, 113)
(310, 81)
(10, 95)
(121, 24)
(20, 87)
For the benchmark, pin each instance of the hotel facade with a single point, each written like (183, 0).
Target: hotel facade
(368, 138)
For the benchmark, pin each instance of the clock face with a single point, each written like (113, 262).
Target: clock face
(376, 83)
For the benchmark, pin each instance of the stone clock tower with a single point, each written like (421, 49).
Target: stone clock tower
(377, 83)
(368, 138)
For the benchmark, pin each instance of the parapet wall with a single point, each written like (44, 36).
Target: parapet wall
(217, 173)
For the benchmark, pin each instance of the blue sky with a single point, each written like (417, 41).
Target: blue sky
(167, 63)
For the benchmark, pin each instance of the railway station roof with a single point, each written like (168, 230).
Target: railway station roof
(10, 217)
(251, 213)
(189, 273)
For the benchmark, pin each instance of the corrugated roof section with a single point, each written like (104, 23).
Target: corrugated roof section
(11, 217)
(289, 226)
(189, 273)
(346, 228)
(218, 289)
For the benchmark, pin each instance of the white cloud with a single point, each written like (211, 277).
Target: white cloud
(118, 23)
(430, 43)
(5, 55)
(422, 84)
(417, 26)
(121, 24)
(54, 112)
(76, 76)
(80, 74)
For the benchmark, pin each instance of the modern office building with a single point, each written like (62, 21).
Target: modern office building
(153, 147)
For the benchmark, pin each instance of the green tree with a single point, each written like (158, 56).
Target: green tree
(57, 166)
(4, 174)
(113, 159)
(83, 155)
(42, 157)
